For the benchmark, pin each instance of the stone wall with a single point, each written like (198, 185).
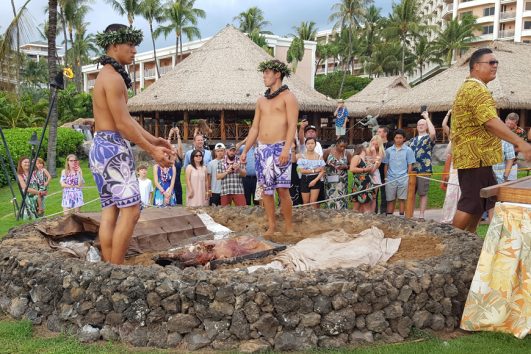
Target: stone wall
(231, 309)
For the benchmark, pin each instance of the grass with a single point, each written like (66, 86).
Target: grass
(20, 337)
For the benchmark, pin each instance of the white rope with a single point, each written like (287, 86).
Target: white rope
(438, 180)
(61, 212)
(351, 194)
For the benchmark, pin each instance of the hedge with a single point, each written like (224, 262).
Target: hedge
(329, 84)
(68, 141)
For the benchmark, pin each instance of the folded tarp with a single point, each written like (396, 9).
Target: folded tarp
(158, 229)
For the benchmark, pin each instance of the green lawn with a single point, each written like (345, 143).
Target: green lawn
(20, 337)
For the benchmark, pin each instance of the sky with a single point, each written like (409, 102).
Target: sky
(282, 14)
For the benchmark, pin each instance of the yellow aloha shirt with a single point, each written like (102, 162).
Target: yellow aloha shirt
(472, 145)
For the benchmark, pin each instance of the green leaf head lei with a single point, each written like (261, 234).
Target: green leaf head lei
(119, 36)
(275, 65)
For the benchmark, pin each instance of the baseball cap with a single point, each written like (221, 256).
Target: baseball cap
(231, 146)
(219, 146)
(308, 127)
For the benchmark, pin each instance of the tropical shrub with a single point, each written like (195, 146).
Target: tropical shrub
(68, 141)
(329, 84)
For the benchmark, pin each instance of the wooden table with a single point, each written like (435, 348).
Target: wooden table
(518, 191)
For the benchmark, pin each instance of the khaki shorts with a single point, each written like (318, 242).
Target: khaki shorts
(423, 185)
(396, 190)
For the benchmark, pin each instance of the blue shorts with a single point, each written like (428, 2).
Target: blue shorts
(113, 167)
(270, 175)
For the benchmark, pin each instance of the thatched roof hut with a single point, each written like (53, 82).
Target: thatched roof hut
(510, 89)
(375, 95)
(221, 75)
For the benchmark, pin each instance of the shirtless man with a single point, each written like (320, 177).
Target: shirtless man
(111, 160)
(274, 124)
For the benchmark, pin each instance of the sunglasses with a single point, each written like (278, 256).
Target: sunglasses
(490, 62)
(198, 155)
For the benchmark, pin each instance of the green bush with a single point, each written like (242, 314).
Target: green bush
(329, 84)
(68, 142)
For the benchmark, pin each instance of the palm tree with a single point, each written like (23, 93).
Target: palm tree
(385, 59)
(306, 31)
(260, 41)
(405, 23)
(322, 53)
(52, 71)
(457, 36)
(130, 8)
(348, 14)
(10, 60)
(182, 16)
(84, 46)
(64, 6)
(152, 10)
(252, 20)
(425, 52)
(371, 32)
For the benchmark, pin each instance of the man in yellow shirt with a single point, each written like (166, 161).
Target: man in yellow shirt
(476, 146)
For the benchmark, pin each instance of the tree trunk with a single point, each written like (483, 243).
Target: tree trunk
(154, 50)
(17, 61)
(63, 21)
(181, 48)
(52, 71)
(176, 48)
(348, 62)
(403, 57)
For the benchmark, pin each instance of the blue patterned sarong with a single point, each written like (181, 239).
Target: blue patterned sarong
(113, 167)
(270, 175)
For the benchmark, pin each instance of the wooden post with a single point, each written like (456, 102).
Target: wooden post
(222, 126)
(523, 118)
(186, 125)
(236, 132)
(410, 201)
(400, 121)
(141, 120)
(351, 122)
(157, 124)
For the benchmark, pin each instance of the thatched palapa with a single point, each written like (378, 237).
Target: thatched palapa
(510, 89)
(375, 95)
(221, 75)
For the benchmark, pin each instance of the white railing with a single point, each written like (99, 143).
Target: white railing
(165, 69)
(150, 73)
(507, 15)
(506, 34)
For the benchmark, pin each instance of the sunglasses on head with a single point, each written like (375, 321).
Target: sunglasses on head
(490, 62)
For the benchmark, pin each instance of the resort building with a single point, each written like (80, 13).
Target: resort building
(39, 50)
(332, 64)
(508, 20)
(145, 71)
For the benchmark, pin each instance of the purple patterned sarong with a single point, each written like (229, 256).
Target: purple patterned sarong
(270, 175)
(113, 167)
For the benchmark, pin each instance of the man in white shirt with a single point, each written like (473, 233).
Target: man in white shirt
(146, 186)
(214, 185)
(308, 131)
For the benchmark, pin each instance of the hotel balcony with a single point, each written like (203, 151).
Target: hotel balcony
(150, 73)
(506, 34)
(507, 16)
(165, 69)
(448, 12)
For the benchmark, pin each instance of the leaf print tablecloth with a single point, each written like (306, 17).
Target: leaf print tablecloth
(500, 294)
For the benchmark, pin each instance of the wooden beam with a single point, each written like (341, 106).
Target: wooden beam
(186, 125)
(222, 126)
(400, 121)
(157, 124)
(141, 120)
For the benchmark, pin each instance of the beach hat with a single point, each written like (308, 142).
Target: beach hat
(341, 101)
(219, 146)
(308, 127)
